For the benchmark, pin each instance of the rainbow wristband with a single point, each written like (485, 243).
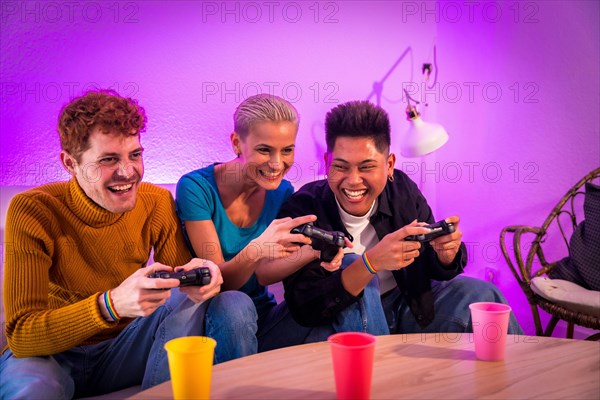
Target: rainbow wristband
(368, 264)
(110, 306)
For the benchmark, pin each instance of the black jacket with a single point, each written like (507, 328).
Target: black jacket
(315, 295)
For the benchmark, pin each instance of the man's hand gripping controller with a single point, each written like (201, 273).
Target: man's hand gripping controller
(327, 242)
(194, 277)
(438, 229)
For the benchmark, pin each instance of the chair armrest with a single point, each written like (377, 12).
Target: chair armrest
(522, 270)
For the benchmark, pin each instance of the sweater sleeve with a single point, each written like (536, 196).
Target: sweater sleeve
(32, 327)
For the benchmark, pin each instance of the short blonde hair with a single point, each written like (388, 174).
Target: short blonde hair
(260, 108)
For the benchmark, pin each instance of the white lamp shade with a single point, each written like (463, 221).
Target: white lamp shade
(422, 138)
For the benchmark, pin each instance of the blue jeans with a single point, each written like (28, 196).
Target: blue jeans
(366, 315)
(451, 305)
(277, 328)
(136, 356)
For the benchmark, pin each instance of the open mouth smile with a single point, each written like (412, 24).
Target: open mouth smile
(121, 188)
(355, 195)
(269, 174)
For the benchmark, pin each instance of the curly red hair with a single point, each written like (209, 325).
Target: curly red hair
(103, 109)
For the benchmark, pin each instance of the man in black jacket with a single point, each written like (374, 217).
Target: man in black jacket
(379, 207)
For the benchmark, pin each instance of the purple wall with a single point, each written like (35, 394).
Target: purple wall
(518, 90)
(527, 132)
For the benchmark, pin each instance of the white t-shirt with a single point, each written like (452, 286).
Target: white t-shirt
(365, 238)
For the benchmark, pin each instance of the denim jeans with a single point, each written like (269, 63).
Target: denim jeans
(277, 328)
(451, 305)
(136, 356)
(366, 315)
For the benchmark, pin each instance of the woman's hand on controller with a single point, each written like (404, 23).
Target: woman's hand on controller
(277, 241)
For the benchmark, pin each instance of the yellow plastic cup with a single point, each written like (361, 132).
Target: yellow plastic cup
(190, 364)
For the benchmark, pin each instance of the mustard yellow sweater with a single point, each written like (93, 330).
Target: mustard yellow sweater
(63, 250)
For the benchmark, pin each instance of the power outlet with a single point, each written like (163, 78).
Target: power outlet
(491, 275)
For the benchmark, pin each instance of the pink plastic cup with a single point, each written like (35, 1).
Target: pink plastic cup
(490, 328)
(352, 354)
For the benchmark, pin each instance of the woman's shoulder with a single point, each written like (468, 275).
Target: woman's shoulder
(200, 177)
(286, 186)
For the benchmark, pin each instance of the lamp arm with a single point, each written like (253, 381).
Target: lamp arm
(435, 69)
(378, 86)
(408, 98)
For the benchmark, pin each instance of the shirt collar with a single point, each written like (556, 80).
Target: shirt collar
(353, 218)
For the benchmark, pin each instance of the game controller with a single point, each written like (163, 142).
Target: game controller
(195, 277)
(438, 229)
(327, 242)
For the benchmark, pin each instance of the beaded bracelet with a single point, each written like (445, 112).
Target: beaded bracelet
(110, 306)
(368, 264)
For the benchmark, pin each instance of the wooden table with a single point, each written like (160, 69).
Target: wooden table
(429, 366)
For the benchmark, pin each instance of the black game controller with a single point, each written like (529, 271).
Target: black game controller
(195, 277)
(438, 229)
(327, 242)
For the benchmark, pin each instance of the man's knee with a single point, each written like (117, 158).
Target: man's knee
(235, 303)
(231, 319)
(34, 377)
(475, 290)
(233, 309)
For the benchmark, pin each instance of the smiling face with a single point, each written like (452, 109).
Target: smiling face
(110, 170)
(267, 152)
(357, 173)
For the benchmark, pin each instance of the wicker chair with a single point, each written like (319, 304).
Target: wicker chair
(561, 221)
